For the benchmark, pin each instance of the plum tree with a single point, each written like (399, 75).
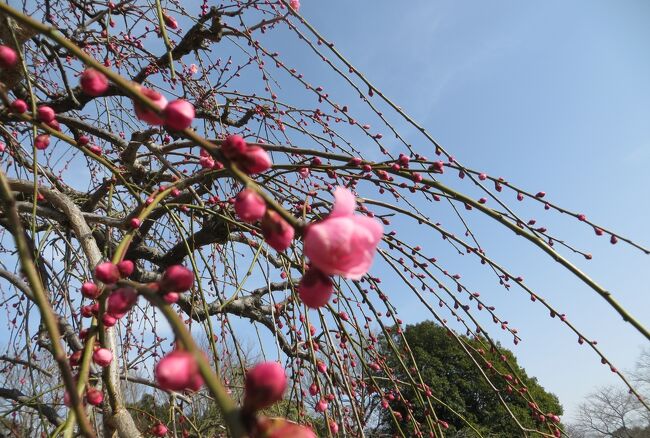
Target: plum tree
(170, 180)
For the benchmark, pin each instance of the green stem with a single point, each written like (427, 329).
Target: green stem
(41, 300)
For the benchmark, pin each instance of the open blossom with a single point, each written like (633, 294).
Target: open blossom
(344, 243)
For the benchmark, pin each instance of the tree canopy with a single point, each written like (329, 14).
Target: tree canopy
(461, 396)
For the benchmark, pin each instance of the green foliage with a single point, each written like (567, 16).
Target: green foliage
(453, 377)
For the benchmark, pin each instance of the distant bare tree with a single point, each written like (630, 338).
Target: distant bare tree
(614, 412)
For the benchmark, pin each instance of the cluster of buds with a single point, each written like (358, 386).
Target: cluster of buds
(177, 115)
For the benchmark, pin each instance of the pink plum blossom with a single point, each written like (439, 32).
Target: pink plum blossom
(249, 206)
(344, 243)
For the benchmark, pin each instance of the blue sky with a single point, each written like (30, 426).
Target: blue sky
(554, 96)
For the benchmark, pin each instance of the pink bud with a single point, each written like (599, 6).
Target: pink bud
(233, 147)
(121, 301)
(126, 267)
(249, 206)
(276, 231)
(8, 57)
(45, 114)
(107, 273)
(170, 21)
(54, 124)
(102, 357)
(255, 160)
(93, 82)
(159, 430)
(321, 367)
(438, 167)
(147, 115)
(315, 288)
(42, 141)
(295, 5)
(178, 371)
(83, 140)
(333, 427)
(135, 223)
(89, 290)
(94, 396)
(321, 406)
(75, 358)
(109, 320)
(179, 115)
(265, 385)
(177, 278)
(19, 106)
(171, 297)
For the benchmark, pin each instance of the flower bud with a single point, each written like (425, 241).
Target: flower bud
(121, 301)
(255, 160)
(159, 430)
(94, 396)
(102, 357)
(178, 371)
(93, 82)
(177, 278)
(45, 114)
(42, 142)
(315, 288)
(90, 290)
(126, 268)
(265, 385)
(147, 115)
(179, 115)
(276, 231)
(249, 206)
(8, 57)
(19, 106)
(233, 147)
(107, 273)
